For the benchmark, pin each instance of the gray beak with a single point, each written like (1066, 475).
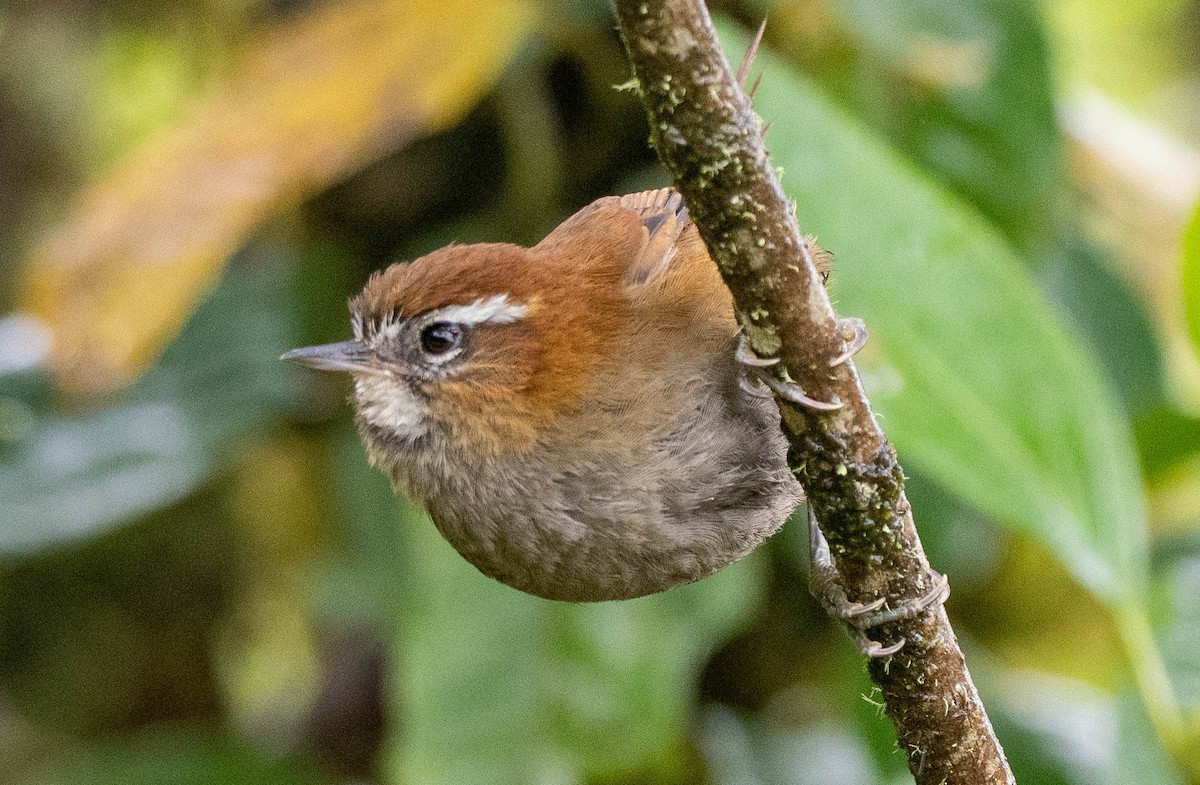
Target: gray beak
(350, 356)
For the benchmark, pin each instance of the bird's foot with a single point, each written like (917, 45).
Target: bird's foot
(787, 390)
(853, 331)
(826, 586)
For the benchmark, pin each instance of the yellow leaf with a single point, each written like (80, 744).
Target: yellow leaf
(319, 97)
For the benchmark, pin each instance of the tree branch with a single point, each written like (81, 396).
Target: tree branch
(708, 137)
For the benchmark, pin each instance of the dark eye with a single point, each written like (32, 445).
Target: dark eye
(441, 337)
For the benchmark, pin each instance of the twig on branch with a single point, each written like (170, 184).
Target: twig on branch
(708, 137)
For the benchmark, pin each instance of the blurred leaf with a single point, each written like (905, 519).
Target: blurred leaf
(964, 88)
(621, 671)
(1136, 52)
(67, 476)
(1173, 491)
(1191, 277)
(321, 96)
(1180, 586)
(178, 758)
(1138, 758)
(365, 585)
(1058, 731)
(592, 692)
(1166, 438)
(1110, 319)
(138, 79)
(269, 651)
(1140, 187)
(745, 750)
(470, 680)
(980, 383)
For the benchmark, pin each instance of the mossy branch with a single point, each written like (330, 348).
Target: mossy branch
(708, 137)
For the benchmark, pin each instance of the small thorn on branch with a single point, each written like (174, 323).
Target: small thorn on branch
(743, 71)
(754, 87)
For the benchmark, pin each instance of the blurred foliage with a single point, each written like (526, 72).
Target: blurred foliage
(201, 580)
(314, 100)
(964, 91)
(1191, 277)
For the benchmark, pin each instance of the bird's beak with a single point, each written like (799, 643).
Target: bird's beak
(352, 356)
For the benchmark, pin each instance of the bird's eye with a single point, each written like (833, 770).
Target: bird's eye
(441, 337)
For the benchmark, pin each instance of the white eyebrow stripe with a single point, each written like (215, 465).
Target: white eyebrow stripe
(389, 329)
(495, 310)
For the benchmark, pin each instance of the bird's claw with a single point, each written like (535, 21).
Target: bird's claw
(853, 331)
(788, 391)
(746, 356)
(825, 584)
(791, 392)
(875, 649)
(849, 611)
(757, 390)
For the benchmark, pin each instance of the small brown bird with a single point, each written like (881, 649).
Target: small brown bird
(576, 417)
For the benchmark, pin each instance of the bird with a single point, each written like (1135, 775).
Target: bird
(580, 419)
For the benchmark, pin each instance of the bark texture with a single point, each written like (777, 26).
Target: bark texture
(707, 135)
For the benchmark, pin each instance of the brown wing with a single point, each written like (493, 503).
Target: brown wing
(664, 219)
(645, 226)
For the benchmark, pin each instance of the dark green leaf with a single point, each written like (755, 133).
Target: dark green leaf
(966, 90)
(1110, 319)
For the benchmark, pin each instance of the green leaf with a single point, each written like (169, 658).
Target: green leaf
(965, 89)
(978, 381)
(64, 476)
(1166, 439)
(1110, 319)
(499, 687)
(1191, 277)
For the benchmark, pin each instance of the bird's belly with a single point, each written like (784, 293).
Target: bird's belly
(606, 534)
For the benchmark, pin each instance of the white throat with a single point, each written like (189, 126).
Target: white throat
(389, 404)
